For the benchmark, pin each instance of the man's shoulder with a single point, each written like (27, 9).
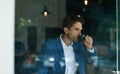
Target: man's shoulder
(51, 44)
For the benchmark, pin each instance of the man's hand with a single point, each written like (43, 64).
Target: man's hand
(88, 42)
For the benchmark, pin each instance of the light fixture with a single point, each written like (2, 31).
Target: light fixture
(86, 2)
(45, 11)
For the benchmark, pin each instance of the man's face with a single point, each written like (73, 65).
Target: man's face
(75, 31)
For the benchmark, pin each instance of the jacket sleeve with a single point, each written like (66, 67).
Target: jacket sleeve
(46, 58)
(43, 58)
(90, 57)
(84, 50)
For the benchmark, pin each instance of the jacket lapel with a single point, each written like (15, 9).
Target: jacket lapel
(60, 52)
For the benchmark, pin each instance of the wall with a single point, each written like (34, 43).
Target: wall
(30, 12)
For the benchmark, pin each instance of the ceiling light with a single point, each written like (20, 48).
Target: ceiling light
(45, 11)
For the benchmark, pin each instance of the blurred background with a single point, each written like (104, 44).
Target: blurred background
(39, 20)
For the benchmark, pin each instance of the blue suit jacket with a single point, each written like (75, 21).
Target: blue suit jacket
(53, 49)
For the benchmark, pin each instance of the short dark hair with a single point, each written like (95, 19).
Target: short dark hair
(68, 21)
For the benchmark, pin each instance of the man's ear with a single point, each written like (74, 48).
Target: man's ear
(65, 30)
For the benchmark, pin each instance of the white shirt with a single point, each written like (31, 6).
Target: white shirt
(69, 58)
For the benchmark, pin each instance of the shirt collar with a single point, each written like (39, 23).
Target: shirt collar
(63, 43)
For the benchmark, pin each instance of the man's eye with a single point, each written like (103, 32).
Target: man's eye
(76, 29)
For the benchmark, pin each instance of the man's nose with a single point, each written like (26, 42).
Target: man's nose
(79, 33)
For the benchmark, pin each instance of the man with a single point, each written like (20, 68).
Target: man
(66, 54)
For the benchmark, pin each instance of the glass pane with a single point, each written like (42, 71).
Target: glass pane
(33, 29)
